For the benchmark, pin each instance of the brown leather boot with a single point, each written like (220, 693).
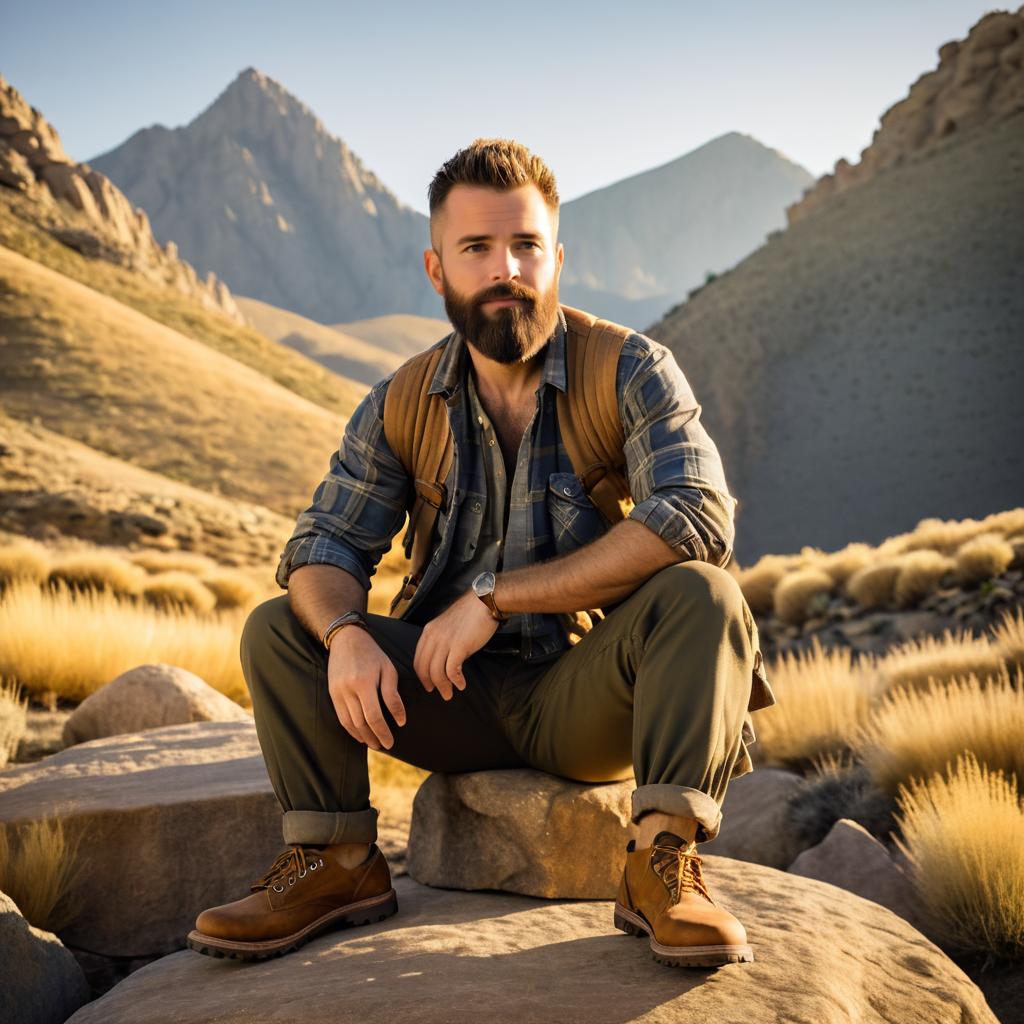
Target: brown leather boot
(662, 895)
(306, 891)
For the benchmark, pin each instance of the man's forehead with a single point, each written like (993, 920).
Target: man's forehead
(470, 209)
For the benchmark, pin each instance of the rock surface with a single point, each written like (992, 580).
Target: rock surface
(85, 210)
(520, 831)
(852, 858)
(148, 697)
(754, 819)
(41, 982)
(168, 821)
(821, 955)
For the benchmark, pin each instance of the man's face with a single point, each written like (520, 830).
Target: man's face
(497, 246)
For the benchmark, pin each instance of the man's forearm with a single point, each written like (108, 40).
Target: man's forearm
(318, 594)
(598, 574)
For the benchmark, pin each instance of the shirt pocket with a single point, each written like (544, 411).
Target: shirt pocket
(468, 525)
(574, 518)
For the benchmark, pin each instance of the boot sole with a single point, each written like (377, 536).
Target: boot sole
(366, 911)
(681, 956)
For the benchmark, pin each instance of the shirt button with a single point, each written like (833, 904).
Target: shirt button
(567, 490)
(491, 442)
(477, 506)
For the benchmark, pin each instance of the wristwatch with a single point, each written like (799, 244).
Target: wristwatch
(483, 587)
(353, 617)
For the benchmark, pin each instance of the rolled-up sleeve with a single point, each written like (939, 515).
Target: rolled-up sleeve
(359, 505)
(675, 472)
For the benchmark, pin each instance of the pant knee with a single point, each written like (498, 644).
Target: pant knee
(700, 585)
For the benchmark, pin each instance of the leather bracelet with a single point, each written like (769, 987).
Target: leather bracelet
(352, 618)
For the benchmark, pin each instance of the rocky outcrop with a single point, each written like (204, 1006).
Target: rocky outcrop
(148, 697)
(852, 858)
(521, 831)
(41, 981)
(256, 189)
(821, 954)
(978, 80)
(164, 823)
(83, 209)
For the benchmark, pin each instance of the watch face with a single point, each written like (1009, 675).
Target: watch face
(483, 584)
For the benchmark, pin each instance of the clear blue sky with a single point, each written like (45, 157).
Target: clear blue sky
(600, 90)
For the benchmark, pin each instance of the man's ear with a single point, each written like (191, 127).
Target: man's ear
(432, 266)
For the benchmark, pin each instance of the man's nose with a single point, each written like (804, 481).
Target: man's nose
(506, 265)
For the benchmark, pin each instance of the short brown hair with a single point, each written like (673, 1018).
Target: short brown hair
(503, 164)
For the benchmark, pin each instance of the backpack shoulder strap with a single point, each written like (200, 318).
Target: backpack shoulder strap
(588, 413)
(417, 430)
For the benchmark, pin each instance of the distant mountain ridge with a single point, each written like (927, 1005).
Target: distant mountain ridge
(256, 186)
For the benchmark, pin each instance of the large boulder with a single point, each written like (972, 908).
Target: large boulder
(521, 831)
(167, 822)
(41, 981)
(852, 858)
(755, 819)
(148, 697)
(821, 954)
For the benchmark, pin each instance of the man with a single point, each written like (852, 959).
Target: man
(480, 671)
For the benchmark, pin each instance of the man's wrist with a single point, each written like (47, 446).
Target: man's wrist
(350, 618)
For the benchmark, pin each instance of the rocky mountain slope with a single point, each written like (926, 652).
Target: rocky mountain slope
(82, 209)
(862, 370)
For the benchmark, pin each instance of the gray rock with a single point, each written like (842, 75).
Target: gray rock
(167, 822)
(148, 697)
(821, 954)
(853, 859)
(520, 831)
(754, 818)
(42, 983)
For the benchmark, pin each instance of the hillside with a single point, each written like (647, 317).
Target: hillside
(637, 247)
(863, 369)
(88, 367)
(257, 189)
(401, 333)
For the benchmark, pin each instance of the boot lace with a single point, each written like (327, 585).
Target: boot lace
(680, 869)
(295, 863)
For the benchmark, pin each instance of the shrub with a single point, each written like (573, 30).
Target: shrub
(917, 731)
(178, 589)
(919, 575)
(874, 585)
(950, 656)
(842, 564)
(173, 561)
(822, 696)
(37, 871)
(987, 555)
(97, 570)
(12, 719)
(1009, 636)
(795, 592)
(759, 581)
(961, 832)
(22, 560)
(230, 589)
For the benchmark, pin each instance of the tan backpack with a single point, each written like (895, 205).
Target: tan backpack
(417, 430)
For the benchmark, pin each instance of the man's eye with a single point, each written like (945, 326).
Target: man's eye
(534, 244)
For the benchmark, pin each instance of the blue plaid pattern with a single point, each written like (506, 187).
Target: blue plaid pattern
(674, 469)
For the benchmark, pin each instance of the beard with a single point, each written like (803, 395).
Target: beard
(507, 334)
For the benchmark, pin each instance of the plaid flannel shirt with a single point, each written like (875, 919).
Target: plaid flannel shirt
(675, 474)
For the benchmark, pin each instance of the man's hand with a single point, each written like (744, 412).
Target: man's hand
(448, 640)
(356, 668)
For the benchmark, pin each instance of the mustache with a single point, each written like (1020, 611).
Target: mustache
(509, 290)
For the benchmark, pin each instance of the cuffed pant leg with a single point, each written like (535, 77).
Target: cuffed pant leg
(317, 769)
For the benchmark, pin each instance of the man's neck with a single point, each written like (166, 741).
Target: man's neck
(508, 383)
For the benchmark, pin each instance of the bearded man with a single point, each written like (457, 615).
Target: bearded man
(480, 671)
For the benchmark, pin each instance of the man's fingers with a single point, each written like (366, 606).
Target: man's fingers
(453, 669)
(374, 716)
(438, 676)
(421, 664)
(363, 731)
(389, 691)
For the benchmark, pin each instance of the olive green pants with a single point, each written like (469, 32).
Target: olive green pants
(658, 690)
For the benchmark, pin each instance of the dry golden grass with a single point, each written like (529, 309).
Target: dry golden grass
(919, 575)
(37, 869)
(1009, 636)
(173, 561)
(842, 564)
(232, 589)
(12, 719)
(981, 558)
(178, 590)
(75, 642)
(390, 773)
(796, 591)
(914, 732)
(759, 581)
(97, 570)
(950, 656)
(962, 833)
(822, 696)
(874, 585)
(24, 560)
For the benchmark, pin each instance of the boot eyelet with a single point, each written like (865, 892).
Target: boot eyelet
(291, 879)
(302, 874)
(278, 887)
(312, 866)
